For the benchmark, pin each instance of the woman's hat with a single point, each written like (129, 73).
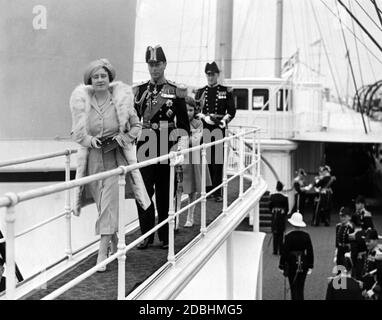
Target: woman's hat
(296, 220)
(95, 66)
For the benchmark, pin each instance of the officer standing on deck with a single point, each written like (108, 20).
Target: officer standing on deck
(371, 272)
(343, 229)
(216, 109)
(161, 106)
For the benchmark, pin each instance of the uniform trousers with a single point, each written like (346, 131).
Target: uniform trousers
(278, 238)
(296, 283)
(215, 156)
(157, 175)
(340, 259)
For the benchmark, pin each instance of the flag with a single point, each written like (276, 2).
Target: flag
(290, 63)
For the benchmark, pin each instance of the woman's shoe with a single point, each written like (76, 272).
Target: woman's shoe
(188, 224)
(99, 260)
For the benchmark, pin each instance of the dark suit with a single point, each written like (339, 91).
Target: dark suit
(217, 101)
(357, 248)
(152, 104)
(279, 208)
(324, 203)
(373, 282)
(296, 258)
(348, 289)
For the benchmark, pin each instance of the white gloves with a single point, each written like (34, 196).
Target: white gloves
(370, 293)
(200, 116)
(309, 271)
(208, 120)
(222, 124)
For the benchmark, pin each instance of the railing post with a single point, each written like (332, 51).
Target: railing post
(10, 220)
(121, 238)
(254, 160)
(256, 217)
(171, 212)
(241, 163)
(68, 211)
(230, 268)
(258, 159)
(225, 184)
(203, 225)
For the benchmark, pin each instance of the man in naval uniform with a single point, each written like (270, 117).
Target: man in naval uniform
(161, 106)
(216, 109)
(343, 229)
(372, 267)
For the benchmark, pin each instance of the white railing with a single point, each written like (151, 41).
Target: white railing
(67, 209)
(11, 200)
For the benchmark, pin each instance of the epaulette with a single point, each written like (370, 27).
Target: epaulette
(137, 86)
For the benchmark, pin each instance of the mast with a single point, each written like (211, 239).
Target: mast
(223, 42)
(279, 38)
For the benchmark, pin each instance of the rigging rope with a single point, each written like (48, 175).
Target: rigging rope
(370, 17)
(372, 53)
(360, 24)
(351, 68)
(369, 60)
(180, 36)
(326, 52)
(356, 47)
(201, 37)
(378, 11)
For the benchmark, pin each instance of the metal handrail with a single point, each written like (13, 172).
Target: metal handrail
(40, 224)
(37, 158)
(14, 198)
(10, 200)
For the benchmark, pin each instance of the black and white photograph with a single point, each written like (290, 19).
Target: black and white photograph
(193, 156)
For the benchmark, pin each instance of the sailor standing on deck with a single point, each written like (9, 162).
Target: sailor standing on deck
(161, 106)
(216, 110)
(279, 207)
(343, 229)
(324, 197)
(363, 215)
(297, 258)
(372, 267)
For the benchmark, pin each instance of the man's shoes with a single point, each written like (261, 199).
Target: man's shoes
(144, 244)
(211, 196)
(219, 199)
(164, 245)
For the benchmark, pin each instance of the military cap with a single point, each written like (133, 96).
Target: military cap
(326, 168)
(371, 234)
(155, 54)
(345, 211)
(360, 199)
(211, 68)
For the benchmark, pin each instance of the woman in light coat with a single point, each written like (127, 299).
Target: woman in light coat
(106, 126)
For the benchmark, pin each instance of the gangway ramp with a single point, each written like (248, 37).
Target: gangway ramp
(140, 264)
